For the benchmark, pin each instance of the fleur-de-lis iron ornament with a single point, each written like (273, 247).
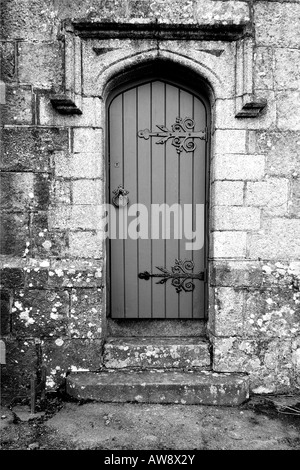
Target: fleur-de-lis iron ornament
(182, 134)
(181, 275)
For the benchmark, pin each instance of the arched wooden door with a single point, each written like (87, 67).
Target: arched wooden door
(157, 155)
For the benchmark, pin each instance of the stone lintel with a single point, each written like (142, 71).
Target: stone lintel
(161, 31)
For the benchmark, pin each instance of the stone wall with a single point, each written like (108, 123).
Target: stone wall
(53, 180)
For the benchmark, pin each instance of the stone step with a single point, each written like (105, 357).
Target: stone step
(157, 328)
(159, 386)
(182, 353)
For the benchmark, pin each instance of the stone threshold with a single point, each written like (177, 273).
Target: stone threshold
(159, 386)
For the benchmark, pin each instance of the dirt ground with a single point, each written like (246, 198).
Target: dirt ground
(263, 423)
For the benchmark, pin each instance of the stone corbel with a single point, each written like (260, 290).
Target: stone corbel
(70, 102)
(246, 103)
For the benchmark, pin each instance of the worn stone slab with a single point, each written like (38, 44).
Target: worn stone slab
(153, 386)
(157, 328)
(162, 353)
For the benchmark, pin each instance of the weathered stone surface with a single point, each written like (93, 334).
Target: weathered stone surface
(87, 140)
(280, 241)
(64, 355)
(205, 388)
(5, 316)
(78, 165)
(295, 203)
(18, 108)
(223, 12)
(7, 61)
(230, 141)
(186, 353)
(228, 312)
(87, 191)
(236, 218)
(21, 191)
(86, 244)
(59, 217)
(86, 216)
(40, 313)
(238, 167)
(227, 193)
(40, 64)
(60, 192)
(282, 151)
(277, 23)
(264, 76)
(228, 244)
(77, 274)
(92, 8)
(271, 195)
(16, 190)
(296, 360)
(86, 309)
(45, 243)
(14, 233)
(30, 149)
(288, 110)
(40, 19)
(287, 70)
(268, 362)
(272, 313)
(155, 328)
(21, 362)
(28, 20)
(12, 277)
(236, 274)
(36, 277)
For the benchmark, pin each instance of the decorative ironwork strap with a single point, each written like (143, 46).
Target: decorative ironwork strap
(181, 275)
(182, 134)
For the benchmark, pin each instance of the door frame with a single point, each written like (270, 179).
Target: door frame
(159, 70)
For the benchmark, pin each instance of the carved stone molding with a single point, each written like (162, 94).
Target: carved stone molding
(159, 31)
(247, 105)
(70, 102)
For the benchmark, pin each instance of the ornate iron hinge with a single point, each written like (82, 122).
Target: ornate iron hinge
(181, 275)
(182, 134)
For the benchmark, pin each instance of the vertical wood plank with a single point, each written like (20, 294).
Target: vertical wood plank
(130, 183)
(172, 196)
(199, 198)
(158, 194)
(144, 196)
(116, 178)
(186, 197)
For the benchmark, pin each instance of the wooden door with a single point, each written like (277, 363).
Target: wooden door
(157, 155)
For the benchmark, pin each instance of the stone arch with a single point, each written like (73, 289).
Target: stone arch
(146, 62)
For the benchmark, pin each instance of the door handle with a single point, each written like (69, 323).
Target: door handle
(120, 198)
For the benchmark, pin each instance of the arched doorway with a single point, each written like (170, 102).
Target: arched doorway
(158, 138)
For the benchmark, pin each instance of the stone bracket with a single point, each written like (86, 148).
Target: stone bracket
(64, 104)
(247, 105)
